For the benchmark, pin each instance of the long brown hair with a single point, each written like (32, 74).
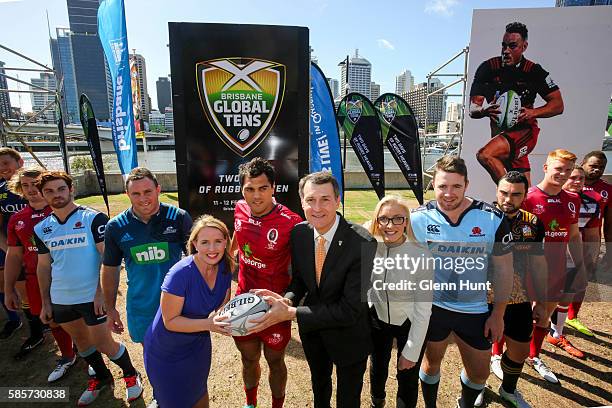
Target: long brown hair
(212, 222)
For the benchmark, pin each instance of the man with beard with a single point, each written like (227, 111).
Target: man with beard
(70, 243)
(528, 256)
(508, 149)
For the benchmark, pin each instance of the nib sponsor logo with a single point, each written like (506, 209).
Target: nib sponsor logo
(154, 253)
(241, 98)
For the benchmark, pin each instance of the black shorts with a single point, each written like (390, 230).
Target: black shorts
(69, 313)
(468, 327)
(22, 275)
(518, 321)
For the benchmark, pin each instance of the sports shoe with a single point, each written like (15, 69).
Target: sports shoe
(153, 404)
(515, 399)
(90, 371)
(542, 369)
(30, 344)
(133, 387)
(10, 328)
(94, 388)
(496, 366)
(578, 325)
(479, 399)
(564, 344)
(62, 367)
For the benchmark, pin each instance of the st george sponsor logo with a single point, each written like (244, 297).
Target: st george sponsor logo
(241, 98)
(153, 253)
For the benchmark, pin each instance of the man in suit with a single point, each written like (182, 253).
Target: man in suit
(328, 257)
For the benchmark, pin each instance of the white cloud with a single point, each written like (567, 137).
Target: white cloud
(382, 43)
(442, 7)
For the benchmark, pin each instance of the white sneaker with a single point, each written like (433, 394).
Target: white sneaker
(496, 366)
(133, 387)
(90, 371)
(515, 399)
(479, 399)
(542, 369)
(93, 390)
(62, 367)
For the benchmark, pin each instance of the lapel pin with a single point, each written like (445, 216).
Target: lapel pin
(339, 243)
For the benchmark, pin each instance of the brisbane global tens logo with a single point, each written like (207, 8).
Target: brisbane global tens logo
(241, 98)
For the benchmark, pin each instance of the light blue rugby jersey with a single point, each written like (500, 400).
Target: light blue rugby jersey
(462, 250)
(75, 260)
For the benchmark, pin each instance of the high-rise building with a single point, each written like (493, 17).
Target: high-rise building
(359, 75)
(5, 101)
(157, 119)
(569, 3)
(334, 86)
(404, 82)
(169, 118)
(164, 93)
(63, 64)
(313, 57)
(447, 126)
(374, 91)
(42, 99)
(88, 57)
(145, 101)
(434, 109)
(453, 111)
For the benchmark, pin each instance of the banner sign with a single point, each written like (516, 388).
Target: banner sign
(325, 152)
(359, 121)
(90, 129)
(400, 134)
(239, 91)
(113, 36)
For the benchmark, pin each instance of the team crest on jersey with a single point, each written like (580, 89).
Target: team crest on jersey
(241, 98)
(78, 225)
(539, 209)
(572, 207)
(19, 225)
(272, 238)
(238, 225)
(169, 230)
(477, 232)
(527, 232)
(604, 194)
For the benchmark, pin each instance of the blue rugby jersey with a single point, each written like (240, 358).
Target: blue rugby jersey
(75, 260)
(10, 203)
(473, 237)
(150, 250)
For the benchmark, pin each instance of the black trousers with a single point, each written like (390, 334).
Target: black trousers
(349, 378)
(383, 335)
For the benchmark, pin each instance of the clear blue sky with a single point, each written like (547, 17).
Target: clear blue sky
(393, 35)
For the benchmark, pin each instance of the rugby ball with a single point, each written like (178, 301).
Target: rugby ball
(241, 309)
(510, 108)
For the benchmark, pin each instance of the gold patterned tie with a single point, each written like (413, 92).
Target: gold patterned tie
(319, 257)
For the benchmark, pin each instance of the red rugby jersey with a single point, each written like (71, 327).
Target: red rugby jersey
(263, 242)
(21, 233)
(557, 213)
(605, 191)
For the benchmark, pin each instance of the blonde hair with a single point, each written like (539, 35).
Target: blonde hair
(561, 154)
(212, 222)
(14, 184)
(392, 199)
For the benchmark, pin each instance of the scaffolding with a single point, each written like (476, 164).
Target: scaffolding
(452, 141)
(20, 132)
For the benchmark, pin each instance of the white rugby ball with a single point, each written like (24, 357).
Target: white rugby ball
(241, 310)
(243, 134)
(510, 108)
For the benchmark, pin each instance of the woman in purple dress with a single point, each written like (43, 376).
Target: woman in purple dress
(177, 347)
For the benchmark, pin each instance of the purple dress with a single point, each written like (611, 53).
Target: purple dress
(178, 363)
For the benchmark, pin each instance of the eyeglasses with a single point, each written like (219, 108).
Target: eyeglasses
(395, 220)
(511, 45)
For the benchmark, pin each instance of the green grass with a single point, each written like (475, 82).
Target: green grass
(359, 203)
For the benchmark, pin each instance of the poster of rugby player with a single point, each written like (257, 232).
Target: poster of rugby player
(538, 79)
(504, 90)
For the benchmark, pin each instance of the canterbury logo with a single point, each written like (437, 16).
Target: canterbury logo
(241, 98)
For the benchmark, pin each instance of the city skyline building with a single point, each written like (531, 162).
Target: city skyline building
(404, 82)
(374, 91)
(570, 3)
(334, 86)
(359, 75)
(145, 101)
(63, 65)
(164, 93)
(169, 119)
(453, 111)
(42, 99)
(5, 101)
(434, 109)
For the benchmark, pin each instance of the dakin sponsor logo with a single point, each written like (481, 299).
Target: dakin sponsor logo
(154, 253)
(388, 109)
(458, 249)
(241, 98)
(353, 110)
(68, 242)
(433, 229)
